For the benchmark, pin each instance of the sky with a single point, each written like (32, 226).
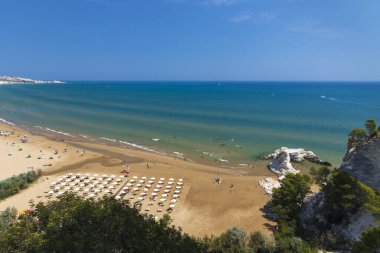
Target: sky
(191, 39)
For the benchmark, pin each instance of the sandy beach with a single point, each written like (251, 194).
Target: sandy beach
(204, 208)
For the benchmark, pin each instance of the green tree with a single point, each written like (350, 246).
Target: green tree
(260, 243)
(74, 224)
(7, 217)
(288, 198)
(371, 127)
(321, 175)
(369, 241)
(344, 196)
(356, 137)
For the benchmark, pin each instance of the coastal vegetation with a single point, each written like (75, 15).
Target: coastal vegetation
(358, 135)
(15, 184)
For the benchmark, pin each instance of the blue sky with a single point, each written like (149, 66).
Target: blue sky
(190, 39)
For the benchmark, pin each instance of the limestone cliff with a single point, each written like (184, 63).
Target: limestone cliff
(363, 163)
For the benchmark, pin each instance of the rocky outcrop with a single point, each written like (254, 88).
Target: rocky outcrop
(363, 163)
(269, 184)
(281, 164)
(297, 155)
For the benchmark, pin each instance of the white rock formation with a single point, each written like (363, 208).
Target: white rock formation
(296, 154)
(269, 184)
(281, 164)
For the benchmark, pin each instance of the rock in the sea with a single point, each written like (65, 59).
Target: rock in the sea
(363, 163)
(297, 155)
(281, 164)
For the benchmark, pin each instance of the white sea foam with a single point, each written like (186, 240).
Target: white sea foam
(329, 98)
(155, 139)
(243, 164)
(141, 147)
(223, 160)
(108, 139)
(179, 154)
(7, 122)
(58, 132)
(86, 137)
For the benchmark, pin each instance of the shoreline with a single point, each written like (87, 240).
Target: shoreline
(206, 208)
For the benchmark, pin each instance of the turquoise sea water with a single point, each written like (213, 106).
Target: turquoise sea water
(234, 121)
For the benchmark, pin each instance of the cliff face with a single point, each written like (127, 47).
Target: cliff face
(363, 163)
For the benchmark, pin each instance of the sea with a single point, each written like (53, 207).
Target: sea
(228, 123)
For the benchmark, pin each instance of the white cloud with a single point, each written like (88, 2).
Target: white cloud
(255, 17)
(318, 30)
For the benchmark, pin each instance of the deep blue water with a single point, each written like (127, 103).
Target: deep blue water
(234, 121)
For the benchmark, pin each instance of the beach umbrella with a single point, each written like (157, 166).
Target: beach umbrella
(153, 178)
(168, 187)
(142, 181)
(115, 183)
(72, 184)
(167, 191)
(104, 175)
(175, 196)
(177, 191)
(78, 175)
(122, 192)
(118, 197)
(148, 185)
(121, 176)
(170, 183)
(76, 189)
(53, 183)
(179, 183)
(140, 198)
(151, 182)
(160, 182)
(118, 180)
(70, 174)
(178, 187)
(132, 180)
(154, 194)
(67, 188)
(51, 192)
(172, 205)
(159, 186)
(135, 177)
(164, 195)
(143, 194)
(96, 175)
(97, 191)
(173, 200)
(91, 195)
(171, 179)
(162, 178)
(135, 189)
(111, 187)
(91, 178)
(145, 189)
(138, 185)
(180, 179)
(129, 184)
(156, 190)
(162, 199)
(113, 176)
